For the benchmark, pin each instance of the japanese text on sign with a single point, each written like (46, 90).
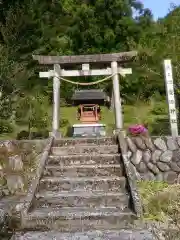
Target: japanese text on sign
(170, 97)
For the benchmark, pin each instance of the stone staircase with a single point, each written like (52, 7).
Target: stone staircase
(83, 188)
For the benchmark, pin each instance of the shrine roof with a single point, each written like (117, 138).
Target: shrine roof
(89, 94)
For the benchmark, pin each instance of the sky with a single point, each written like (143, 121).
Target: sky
(159, 8)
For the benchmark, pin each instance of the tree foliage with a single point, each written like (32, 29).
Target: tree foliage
(66, 27)
(31, 112)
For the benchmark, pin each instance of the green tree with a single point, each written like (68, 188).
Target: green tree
(32, 112)
(161, 41)
(79, 27)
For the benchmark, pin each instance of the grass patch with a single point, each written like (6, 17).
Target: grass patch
(160, 201)
(141, 112)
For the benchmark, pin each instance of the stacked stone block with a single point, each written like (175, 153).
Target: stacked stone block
(156, 158)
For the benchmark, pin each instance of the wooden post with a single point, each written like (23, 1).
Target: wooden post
(117, 100)
(170, 97)
(56, 101)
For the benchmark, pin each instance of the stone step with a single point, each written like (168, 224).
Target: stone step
(77, 141)
(78, 219)
(83, 170)
(123, 234)
(84, 159)
(105, 184)
(119, 200)
(85, 149)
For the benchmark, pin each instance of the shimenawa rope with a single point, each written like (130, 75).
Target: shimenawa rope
(86, 84)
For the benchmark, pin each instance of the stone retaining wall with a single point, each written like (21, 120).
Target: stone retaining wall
(156, 158)
(18, 161)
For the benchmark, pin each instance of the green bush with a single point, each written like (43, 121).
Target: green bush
(159, 109)
(6, 127)
(32, 113)
(160, 126)
(69, 132)
(22, 135)
(157, 97)
(40, 134)
(63, 123)
(33, 135)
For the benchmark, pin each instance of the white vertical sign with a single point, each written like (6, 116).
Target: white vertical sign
(170, 97)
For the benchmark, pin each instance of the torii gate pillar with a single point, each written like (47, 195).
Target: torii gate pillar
(56, 101)
(117, 98)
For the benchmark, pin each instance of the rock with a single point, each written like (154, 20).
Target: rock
(176, 155)
(1, 193)
(136, 157)
(163, 166)
(10, 146)
(14, 183)
(153, 168)
(140, 143)
(156, 155)
(2, 216)
(171, 144)
(144, 177)
(131, 145)
(146, 156)
(150, 176)
(6, 192)
(174, 167)
(160, 177)
(15, 163)
(129, 154)
(178, 179)
(166, 156)
(170, 177)
(160, 144)
(135, 174)
(121, 138)
(19, 207)
(178, 141)
(3, 224)
(178, 163)
(149, 143)
(142, 168)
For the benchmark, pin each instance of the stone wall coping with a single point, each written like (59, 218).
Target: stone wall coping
(35, 182)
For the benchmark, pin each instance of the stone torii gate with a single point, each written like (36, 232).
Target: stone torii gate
(112, 62)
